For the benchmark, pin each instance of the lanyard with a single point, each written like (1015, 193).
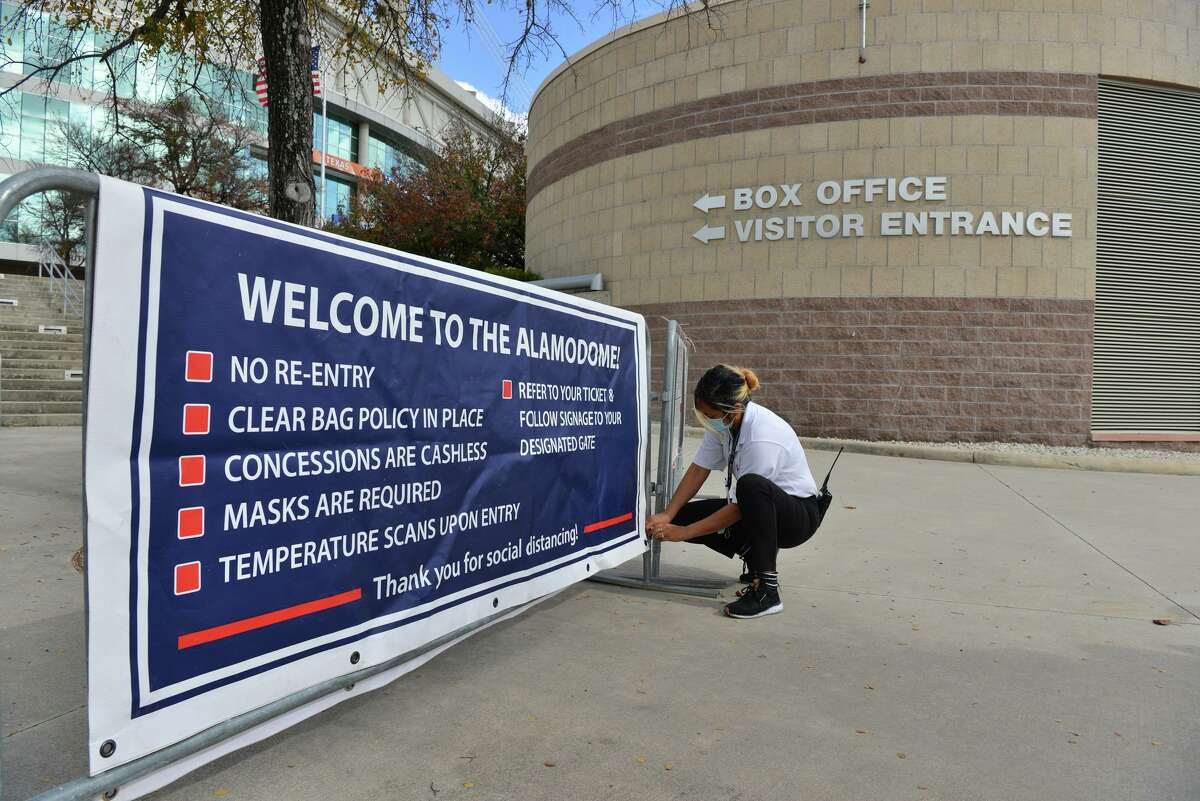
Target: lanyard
(734, 434)
(732, 453)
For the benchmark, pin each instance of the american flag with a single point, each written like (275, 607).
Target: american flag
(260, 78)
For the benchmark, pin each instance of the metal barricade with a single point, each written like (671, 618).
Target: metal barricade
(673, 403)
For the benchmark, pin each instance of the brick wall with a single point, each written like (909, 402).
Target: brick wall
(941, 369)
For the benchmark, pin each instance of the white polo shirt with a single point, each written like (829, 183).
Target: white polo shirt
(767, 446)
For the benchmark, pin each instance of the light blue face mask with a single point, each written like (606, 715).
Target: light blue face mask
(717, 426)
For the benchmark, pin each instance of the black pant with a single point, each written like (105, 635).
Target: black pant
(771, 519)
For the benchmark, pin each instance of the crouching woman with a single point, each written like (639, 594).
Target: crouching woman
(770, 496)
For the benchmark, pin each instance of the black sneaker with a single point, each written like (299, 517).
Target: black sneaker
(757, 600)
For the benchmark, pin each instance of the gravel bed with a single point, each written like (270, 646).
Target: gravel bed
(1055, 450)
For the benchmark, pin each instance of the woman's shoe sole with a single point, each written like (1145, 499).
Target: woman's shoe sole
(776, 609)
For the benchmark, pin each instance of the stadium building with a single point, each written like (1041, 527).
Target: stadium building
(921, 219)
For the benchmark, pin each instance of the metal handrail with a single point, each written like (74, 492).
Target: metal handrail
(43, 179)
(62, 280)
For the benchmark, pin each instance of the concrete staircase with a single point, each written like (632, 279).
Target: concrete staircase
(35, 389)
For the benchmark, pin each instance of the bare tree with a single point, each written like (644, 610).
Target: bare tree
(184, 144)
(393, 42)
(59, 217)
(190, 146)
(98, 150)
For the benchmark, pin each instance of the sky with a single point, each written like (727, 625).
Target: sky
(472, 54)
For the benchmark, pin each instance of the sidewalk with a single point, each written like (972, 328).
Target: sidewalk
(961, 632)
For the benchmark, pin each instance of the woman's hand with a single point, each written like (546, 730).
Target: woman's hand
(656, 520)
(669, 533)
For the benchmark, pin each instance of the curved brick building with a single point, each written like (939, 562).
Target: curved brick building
(982, 225)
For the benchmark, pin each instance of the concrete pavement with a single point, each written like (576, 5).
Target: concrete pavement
(955, 631)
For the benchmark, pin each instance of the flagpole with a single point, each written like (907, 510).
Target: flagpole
(324, 141)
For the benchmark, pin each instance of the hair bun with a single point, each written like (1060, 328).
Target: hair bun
(752, 382)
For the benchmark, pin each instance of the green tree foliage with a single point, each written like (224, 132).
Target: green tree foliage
(466, 207)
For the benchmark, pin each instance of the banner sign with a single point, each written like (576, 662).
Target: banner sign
(307, 455)
(345, 165)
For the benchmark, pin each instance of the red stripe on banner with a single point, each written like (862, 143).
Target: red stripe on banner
(268, 619)
(612, 521)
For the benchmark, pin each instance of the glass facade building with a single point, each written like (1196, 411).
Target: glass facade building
(31, 118)
(40, 40)
(343, 137)
(337, 197)
(371, 133)
(386, 157)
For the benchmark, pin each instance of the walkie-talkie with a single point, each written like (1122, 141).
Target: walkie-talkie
(825, 497)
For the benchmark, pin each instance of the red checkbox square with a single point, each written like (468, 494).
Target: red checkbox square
(191, 471)
(199, 366)
(195, 418)
(187, 578)
(506, 389)
(191, 522)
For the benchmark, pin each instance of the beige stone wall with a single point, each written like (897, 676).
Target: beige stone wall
(758, 44)
(632, 218)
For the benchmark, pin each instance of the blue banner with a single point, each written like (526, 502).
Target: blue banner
(333, 453)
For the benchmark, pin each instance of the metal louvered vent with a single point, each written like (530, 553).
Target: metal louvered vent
(1147, 345)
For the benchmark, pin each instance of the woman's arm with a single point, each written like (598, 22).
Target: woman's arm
(724, 517)
(689, 485)
(660, 525)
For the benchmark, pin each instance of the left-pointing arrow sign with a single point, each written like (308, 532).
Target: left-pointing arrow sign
(709, 233)
(710, 202)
